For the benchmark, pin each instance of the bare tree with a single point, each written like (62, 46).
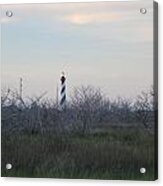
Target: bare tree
(144, 108)
(121, 111)
(86, 103)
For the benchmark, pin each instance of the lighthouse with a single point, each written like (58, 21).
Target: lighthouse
(62, 91)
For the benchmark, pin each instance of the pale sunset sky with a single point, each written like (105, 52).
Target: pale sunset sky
(108, 45)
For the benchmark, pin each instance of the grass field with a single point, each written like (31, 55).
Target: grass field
(113, 154)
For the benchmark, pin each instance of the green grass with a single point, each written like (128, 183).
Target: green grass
(113, 154)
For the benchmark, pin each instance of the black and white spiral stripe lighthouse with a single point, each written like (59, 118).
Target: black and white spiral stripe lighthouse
(63, 91)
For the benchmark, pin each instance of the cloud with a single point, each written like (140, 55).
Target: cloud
(86, 18)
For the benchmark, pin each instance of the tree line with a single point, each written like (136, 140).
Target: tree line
(88, 110)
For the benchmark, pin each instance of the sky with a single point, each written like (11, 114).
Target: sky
(108, 45)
